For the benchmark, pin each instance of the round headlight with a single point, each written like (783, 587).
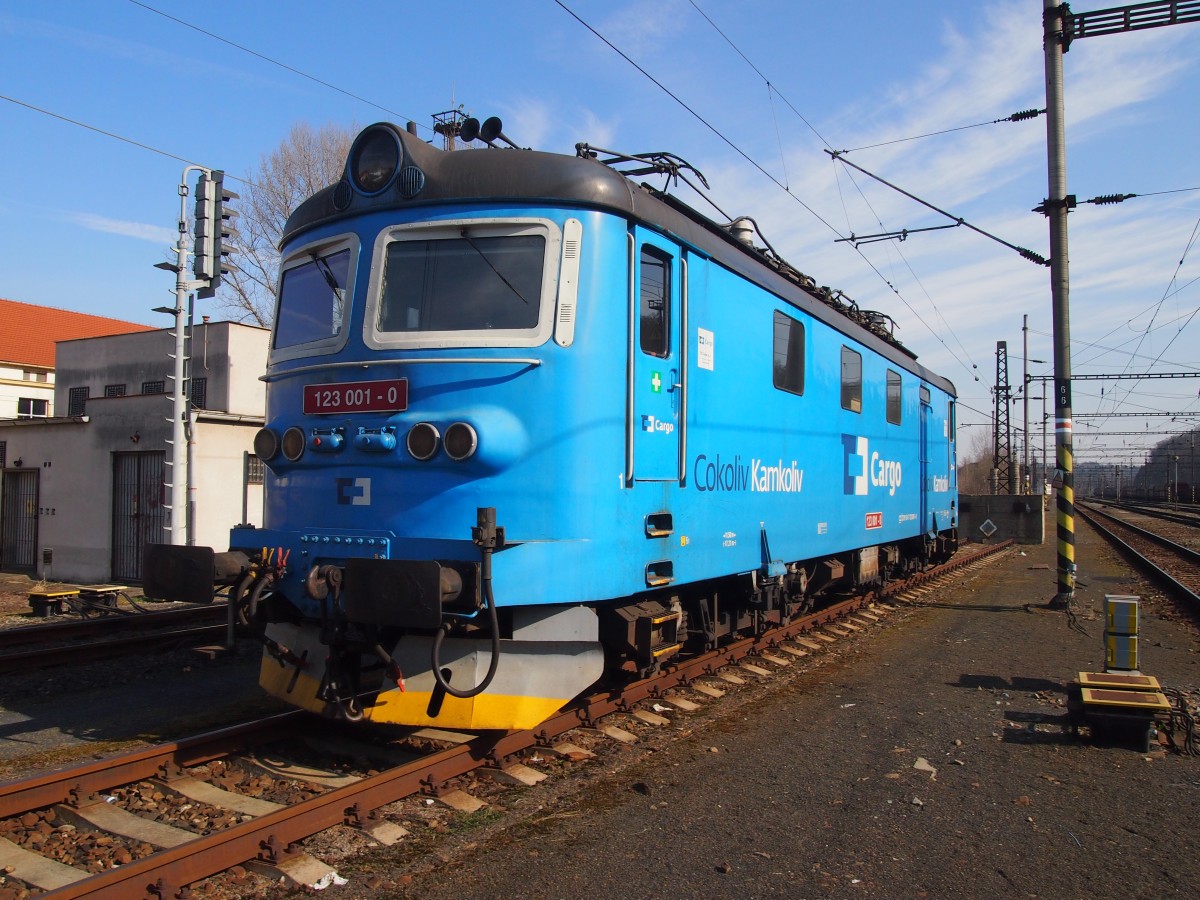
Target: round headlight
(374, 159)
(293, 443)
(266, 444)
(423, 441)
(461, 441)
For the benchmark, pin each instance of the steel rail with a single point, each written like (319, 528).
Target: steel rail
(91, 651)
(1164, 578)
(1180, 517)
(1186, 553)
(272, 836)
(71, 628)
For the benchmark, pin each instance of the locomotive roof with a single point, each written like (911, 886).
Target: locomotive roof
(531, 176)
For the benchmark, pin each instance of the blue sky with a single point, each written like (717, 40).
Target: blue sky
(84, 217)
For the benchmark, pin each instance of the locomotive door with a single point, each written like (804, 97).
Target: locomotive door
(926, 484)
(137, 510)
(655, 389)
(19, 520)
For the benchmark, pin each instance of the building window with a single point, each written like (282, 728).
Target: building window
(31, 408)
(894, 407)
(656, 302)
(114, 390)
(154, 387)
(3, 454)
(851, 380)
(198, 393)
(788, 371)
(31, 375)
(77, 400)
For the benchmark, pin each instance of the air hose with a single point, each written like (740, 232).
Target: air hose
(488, 537)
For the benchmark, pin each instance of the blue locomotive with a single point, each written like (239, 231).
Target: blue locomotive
(530, 420)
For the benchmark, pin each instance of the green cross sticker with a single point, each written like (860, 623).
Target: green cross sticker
(656, 382)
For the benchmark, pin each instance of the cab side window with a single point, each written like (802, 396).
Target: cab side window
(851, 380)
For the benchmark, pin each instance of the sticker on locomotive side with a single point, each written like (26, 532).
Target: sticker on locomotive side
(704, 349)
(652, 423)
(874, 520)
(353, 491)
(864, 466)
(756, 476)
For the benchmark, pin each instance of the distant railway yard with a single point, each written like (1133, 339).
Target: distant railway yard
(933, 716)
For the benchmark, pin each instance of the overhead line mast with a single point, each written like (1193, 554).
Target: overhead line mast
(1060, 28)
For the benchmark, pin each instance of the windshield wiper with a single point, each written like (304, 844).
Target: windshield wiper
(466, 237)
(327, 273)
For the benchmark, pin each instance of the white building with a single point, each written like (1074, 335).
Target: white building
(85, 489)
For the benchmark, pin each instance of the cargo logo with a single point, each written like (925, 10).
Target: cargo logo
(865, 467)
(755, 476)
(353, 491)
(650, 423)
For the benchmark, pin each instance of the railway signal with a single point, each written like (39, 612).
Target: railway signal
(214, 231)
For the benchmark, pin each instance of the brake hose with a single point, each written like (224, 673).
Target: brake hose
(488, 536)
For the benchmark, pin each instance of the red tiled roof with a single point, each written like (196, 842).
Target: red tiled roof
(28, 332)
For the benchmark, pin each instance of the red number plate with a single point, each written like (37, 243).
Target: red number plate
(362, 396)
(875, 520)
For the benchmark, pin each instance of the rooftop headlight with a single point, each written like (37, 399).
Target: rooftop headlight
(374, 159)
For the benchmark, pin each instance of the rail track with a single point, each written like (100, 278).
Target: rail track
(220, 778)
(71, 641)
(1174, 567)
(77, 641)
(1188, 521)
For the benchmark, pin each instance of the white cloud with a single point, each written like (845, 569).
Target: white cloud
(139, 230)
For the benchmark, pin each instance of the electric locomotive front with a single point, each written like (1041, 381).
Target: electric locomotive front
(478, 366)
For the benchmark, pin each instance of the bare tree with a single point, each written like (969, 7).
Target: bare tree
(307, 160)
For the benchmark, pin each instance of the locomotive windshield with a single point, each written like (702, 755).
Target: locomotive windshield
(467, 283)
(312, 298)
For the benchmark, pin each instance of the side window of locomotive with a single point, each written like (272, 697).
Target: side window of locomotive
(788, 370)
(894, 407)
(312, 299)
(951, 428)
(851, 380)
(655, 302)
(468, 283)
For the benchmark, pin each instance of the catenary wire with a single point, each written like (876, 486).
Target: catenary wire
(274, 62)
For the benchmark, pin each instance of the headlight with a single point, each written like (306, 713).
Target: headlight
(374, 159)
(266, 444)
(293, 443)
(461, 441)
(423, 441)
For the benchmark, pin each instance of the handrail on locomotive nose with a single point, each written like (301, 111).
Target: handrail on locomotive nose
(531, 362)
